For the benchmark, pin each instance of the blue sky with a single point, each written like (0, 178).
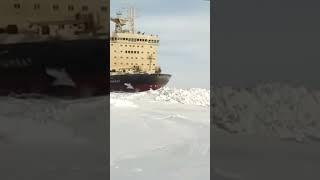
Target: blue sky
(184, 30)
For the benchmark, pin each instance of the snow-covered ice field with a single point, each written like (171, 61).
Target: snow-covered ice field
(161, 134)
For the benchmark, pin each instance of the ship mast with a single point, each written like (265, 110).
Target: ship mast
(131, 17)
(122, 21)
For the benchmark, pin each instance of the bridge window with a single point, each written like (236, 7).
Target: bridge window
(85, 8)
(70, 7)
(104, 8)
(17, 6)
(36, 6)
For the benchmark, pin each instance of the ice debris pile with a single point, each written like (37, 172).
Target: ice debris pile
(268, 109)
(192, 96)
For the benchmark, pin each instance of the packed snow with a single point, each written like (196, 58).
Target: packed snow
(162, 134)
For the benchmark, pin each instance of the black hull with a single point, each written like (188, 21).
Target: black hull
(137, 82)
(66, 69)
(75, 68)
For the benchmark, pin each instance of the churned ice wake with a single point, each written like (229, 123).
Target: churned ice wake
(192, 96)
(162, 134)
(270, 131)
(269, 109)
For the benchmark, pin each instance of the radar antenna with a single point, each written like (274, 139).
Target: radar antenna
(121, 21)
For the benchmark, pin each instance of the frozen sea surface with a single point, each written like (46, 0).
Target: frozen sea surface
(161, 134)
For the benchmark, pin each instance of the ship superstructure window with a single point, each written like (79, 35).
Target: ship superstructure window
(36, 6)
(85, 8)
(104, 8)
(70, 7)
(17, 6)
(55, 7)
(45, 30)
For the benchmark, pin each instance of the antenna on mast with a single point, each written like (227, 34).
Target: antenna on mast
(131, 18)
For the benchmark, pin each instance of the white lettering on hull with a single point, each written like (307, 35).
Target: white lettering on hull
(61, 77)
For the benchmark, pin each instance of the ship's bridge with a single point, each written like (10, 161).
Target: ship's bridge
(133, 52)
(135, 38)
